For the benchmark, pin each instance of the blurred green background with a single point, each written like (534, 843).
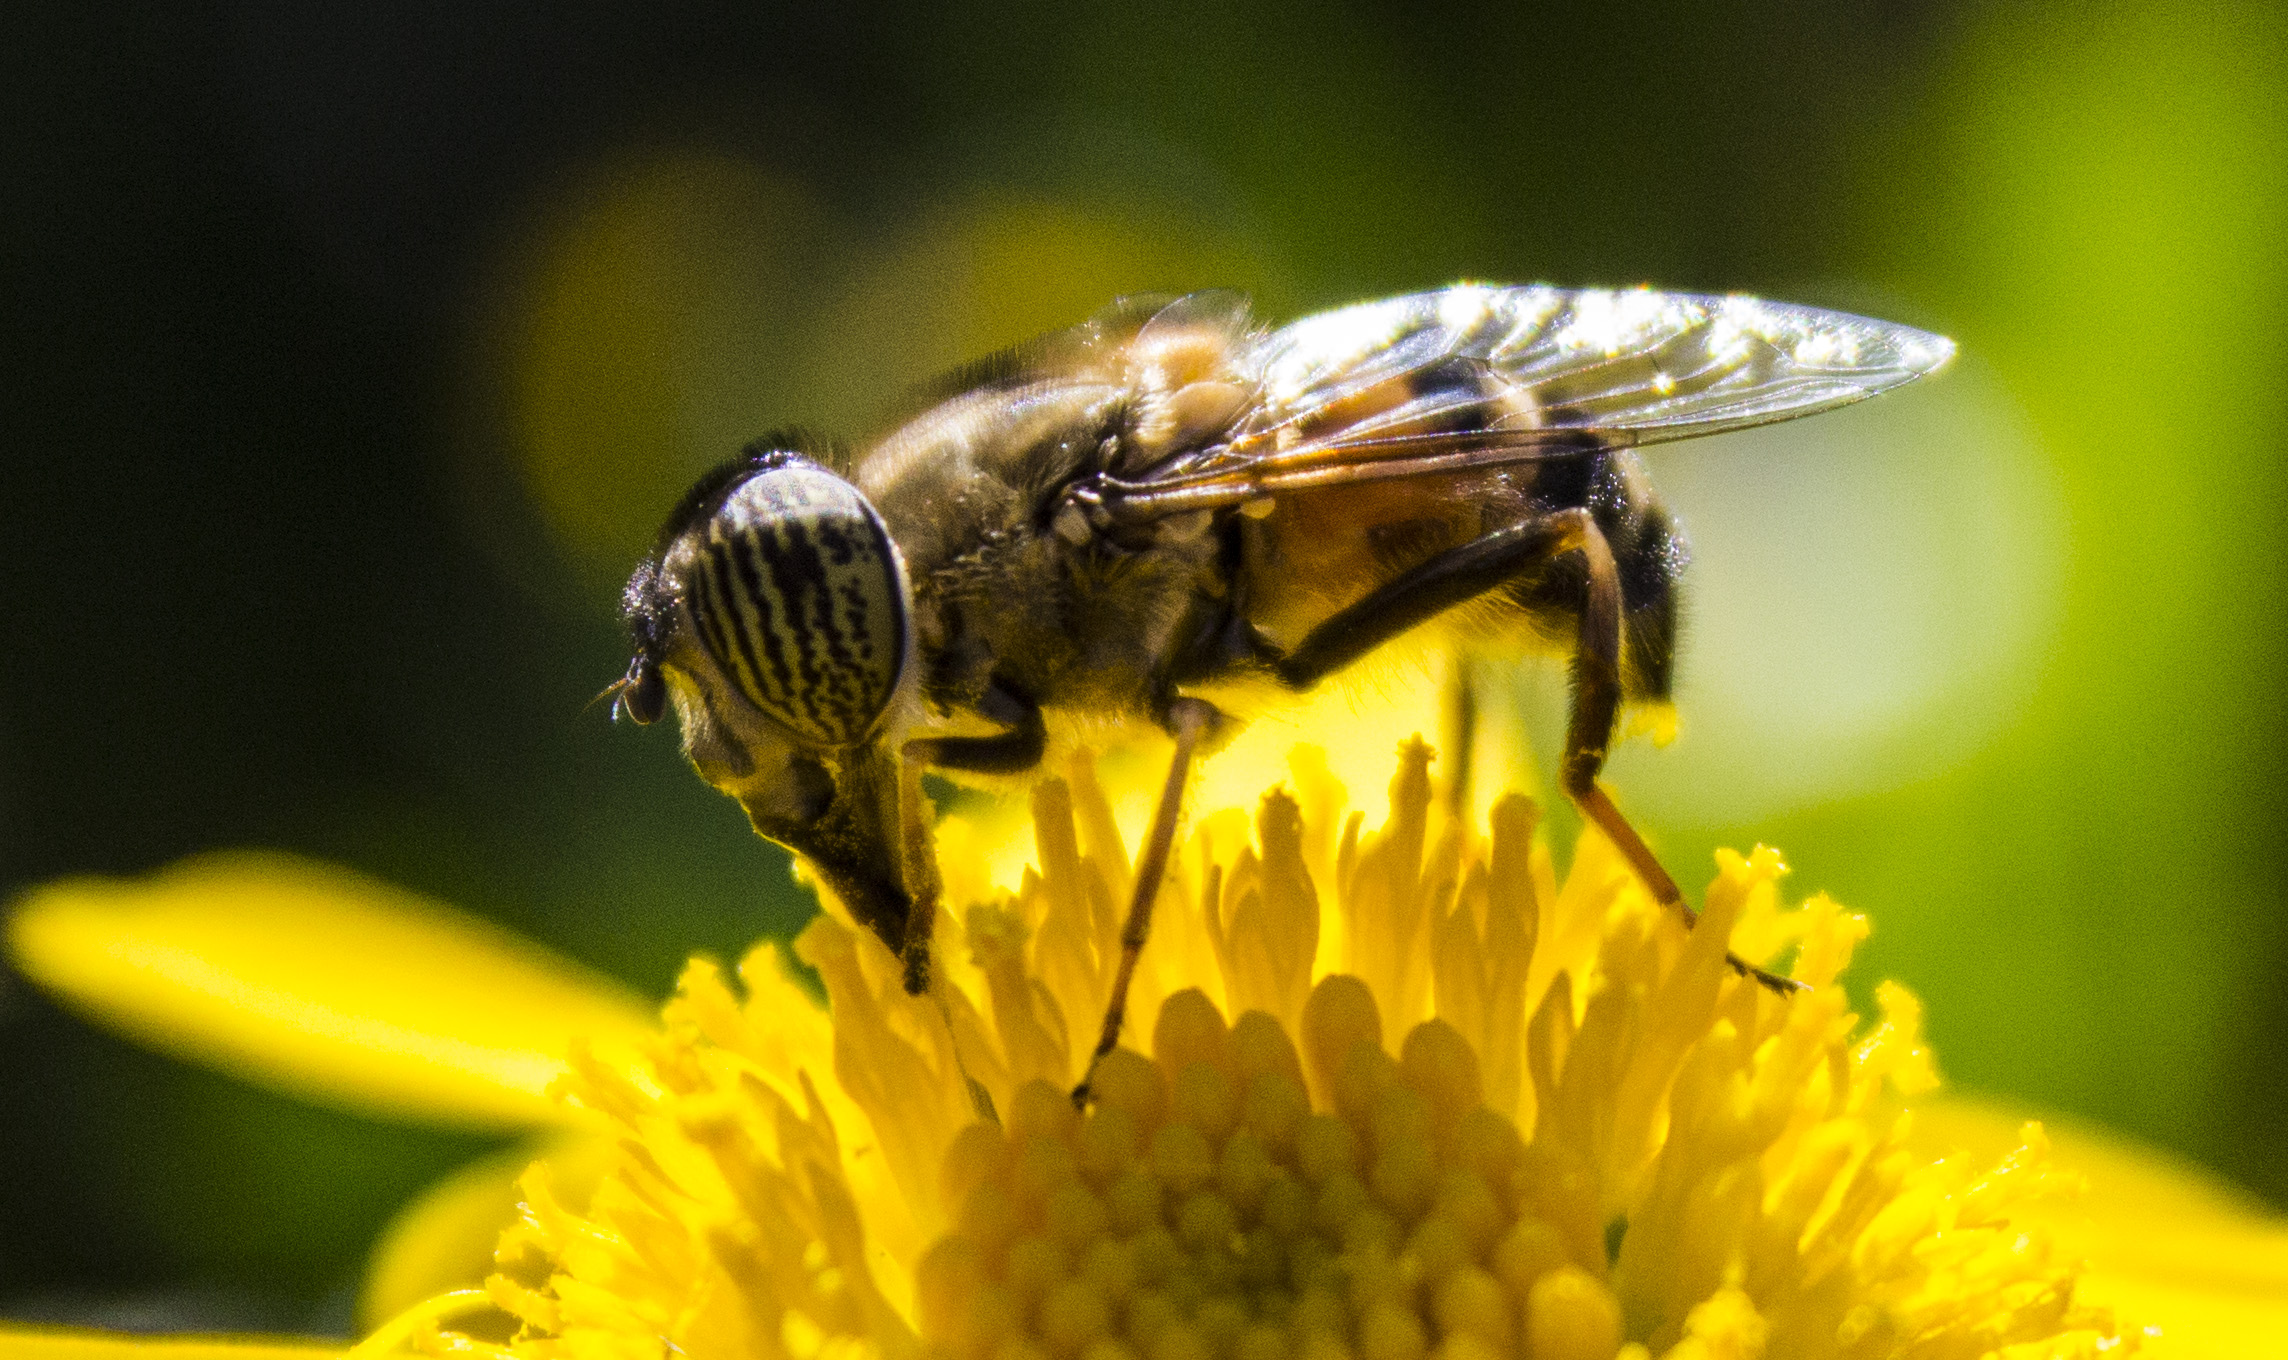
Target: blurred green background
(352, 353)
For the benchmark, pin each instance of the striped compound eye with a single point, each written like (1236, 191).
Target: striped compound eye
(796, 592)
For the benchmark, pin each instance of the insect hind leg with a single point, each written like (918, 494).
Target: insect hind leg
(1596, 710)
(1481, 565)
(1417, 596)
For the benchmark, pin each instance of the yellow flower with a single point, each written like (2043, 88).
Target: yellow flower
(335, 987)
(1507, 1118)
(1406, 1094)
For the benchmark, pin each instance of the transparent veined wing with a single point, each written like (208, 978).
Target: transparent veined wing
(1474, 376)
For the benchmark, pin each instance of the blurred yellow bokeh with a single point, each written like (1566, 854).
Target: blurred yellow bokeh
(652, 319)
(671, 306)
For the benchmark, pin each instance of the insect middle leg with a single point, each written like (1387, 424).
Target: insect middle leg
(1189, 719)
(1473, 569)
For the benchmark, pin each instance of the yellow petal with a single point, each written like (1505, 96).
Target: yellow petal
(325, 983)
(443, 1240)
(72, 1344)
(2168, 1245)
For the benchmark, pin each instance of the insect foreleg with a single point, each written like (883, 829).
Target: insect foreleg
(1188, 719)
(917, 862)
(1014, 750)
(1017, 748)
(919, 866)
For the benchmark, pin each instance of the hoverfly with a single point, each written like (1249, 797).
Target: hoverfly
(1169, 501)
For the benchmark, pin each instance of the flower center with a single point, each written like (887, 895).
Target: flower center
(1208, 1205)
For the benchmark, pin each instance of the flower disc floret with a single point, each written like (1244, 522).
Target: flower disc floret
(1385, 1219)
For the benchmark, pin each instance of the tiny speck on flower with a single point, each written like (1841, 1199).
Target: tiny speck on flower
(1406, 1096)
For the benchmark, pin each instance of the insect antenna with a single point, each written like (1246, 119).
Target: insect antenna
(612, 691)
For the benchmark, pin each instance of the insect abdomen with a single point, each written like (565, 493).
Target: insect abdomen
(797, 593)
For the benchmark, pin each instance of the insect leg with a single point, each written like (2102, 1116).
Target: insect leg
(922, 889)
(1188, 719)
(1473, 569)
(1011, 751)
(1596, 707)
(918, 863)
(1417, 596)
(1014, 750)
